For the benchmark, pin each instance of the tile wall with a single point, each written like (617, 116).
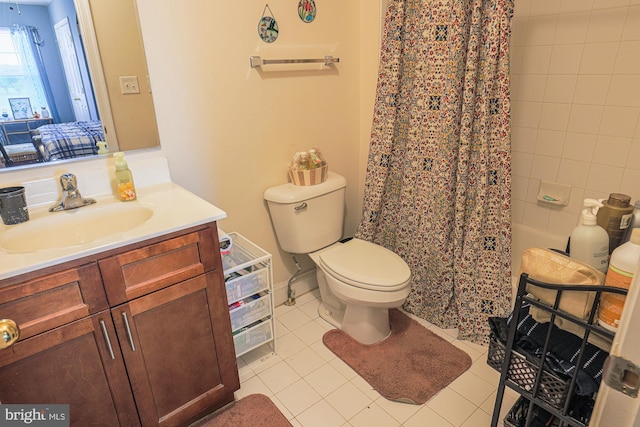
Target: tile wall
(575, 104)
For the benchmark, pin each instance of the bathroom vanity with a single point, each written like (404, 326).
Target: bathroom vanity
(130, 329)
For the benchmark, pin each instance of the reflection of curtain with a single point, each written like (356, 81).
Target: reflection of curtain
(438, 183)
(37, 41)
(35, 76)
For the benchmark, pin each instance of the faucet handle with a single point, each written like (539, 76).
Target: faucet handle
(68, 182)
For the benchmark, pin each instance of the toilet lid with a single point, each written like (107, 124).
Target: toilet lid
(366, 265)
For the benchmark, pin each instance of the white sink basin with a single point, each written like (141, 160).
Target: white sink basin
(74, 227)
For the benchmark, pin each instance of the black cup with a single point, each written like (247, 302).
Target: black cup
(13, 205)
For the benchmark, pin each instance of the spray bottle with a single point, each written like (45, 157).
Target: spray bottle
(589, 242)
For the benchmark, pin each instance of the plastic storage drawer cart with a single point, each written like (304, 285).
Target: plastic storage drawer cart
(249, 283)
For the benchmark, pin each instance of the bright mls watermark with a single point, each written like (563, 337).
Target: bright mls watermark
(34, 415)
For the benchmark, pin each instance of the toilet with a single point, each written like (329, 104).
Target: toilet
(359, 281)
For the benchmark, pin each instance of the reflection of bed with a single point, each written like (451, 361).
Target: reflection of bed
(69, 140)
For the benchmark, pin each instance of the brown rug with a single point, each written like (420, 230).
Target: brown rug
(254, 410)
(410, 366)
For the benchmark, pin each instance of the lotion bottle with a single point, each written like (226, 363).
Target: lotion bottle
(589, 242)
(615, 217)
(624, 263)
(124, 179)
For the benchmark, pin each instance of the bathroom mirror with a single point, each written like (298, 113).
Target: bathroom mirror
(91, 77)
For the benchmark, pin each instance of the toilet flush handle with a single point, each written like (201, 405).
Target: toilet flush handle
(301, 207)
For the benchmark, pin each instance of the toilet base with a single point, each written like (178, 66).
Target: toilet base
(333, 316)
(367, 325)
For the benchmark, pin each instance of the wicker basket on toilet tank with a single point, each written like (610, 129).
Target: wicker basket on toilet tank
(309, 176)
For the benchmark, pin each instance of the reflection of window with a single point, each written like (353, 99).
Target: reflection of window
(19, 74)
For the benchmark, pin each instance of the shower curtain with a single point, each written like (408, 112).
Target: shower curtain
(438, 183)
(34, 81)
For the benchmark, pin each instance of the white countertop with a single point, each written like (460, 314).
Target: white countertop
(174, 209)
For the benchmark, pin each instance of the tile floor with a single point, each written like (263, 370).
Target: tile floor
(312, 387)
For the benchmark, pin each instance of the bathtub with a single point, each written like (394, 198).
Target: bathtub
(524, 237)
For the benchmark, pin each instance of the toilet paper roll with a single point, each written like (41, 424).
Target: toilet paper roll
(225, 243)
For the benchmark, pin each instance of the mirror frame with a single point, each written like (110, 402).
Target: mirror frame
(94, 63)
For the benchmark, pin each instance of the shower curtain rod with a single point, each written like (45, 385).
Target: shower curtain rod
(257, 61)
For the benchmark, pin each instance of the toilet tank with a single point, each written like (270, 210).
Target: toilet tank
(307, 218)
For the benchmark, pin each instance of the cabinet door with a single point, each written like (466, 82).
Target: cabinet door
(73, 365)
(178, 350)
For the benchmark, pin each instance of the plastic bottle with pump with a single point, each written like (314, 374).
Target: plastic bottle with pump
(102, 147)
(589, 242)
(623, 265)
(124, 179)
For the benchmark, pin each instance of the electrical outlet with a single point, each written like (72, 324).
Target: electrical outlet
(129, 84)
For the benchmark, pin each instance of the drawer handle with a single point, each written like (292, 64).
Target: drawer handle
(106, 338)
(9, 333)
(126, 325)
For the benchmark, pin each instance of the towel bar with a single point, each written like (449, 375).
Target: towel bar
(257, 61)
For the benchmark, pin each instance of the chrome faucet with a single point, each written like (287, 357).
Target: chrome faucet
(71, 197)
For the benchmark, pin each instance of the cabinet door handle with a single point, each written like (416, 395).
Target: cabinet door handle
(106, 338)
(126, 325)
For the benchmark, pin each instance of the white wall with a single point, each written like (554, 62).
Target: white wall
(575, 104)
(230, 130)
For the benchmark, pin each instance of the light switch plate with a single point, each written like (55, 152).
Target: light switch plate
(129, 84)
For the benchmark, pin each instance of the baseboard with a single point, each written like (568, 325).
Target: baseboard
(305, 283)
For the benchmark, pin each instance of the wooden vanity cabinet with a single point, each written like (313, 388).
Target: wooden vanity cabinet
(153, 346)
(175, 348)
(168, 304)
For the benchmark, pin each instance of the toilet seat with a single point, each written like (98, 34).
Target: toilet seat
(366, 265)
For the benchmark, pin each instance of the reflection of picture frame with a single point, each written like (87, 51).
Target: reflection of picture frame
(21, 108)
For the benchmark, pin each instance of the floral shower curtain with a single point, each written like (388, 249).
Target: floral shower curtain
(438, 185)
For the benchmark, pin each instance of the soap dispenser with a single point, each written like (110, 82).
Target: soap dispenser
(589, 242)
(124, 178)
(102, 147)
